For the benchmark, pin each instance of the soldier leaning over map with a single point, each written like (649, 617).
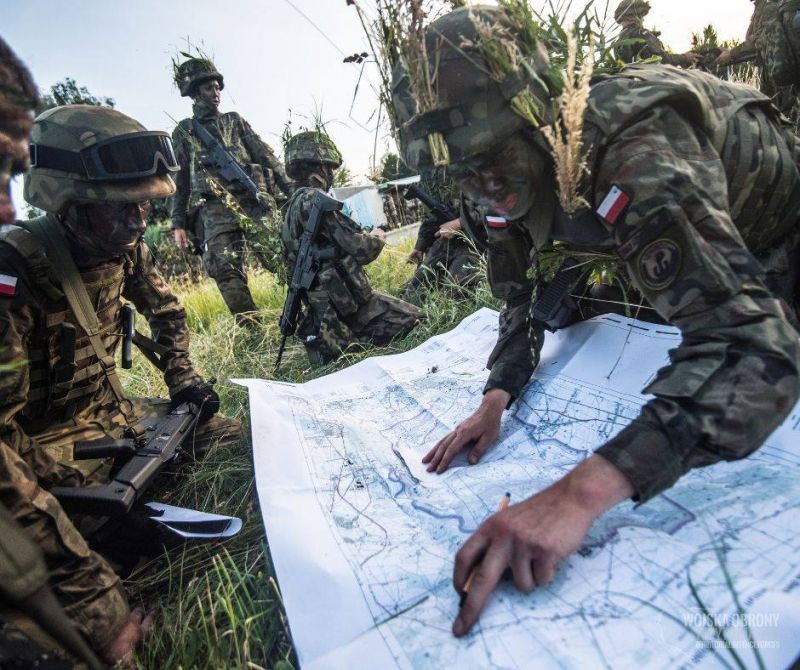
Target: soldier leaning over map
(693, 184)
(644, 43)
(208, 203)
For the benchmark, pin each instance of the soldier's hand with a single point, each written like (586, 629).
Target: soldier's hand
(266, 202)
(724, 59)
(120, 649)
(415, 257)
(477, 432)
(691, 58)
(378, 232)
(448, 230)
(201, 394)
(533, 537)
(181, 239)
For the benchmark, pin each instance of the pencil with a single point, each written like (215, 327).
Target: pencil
(468, 584)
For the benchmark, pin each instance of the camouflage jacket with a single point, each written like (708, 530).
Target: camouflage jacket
(244, 145)
(343, 278)
(700, 190)
(647, 46)
(51, 375)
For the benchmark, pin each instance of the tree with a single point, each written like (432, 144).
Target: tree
(394, 168)
(68, 92)
(342, 177)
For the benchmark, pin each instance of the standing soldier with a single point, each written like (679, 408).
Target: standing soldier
(768, 49)
(341, 308)
(224, 212)
(63, 278)
(630, 15)
(693, 184)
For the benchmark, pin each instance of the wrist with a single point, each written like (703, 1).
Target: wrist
(597, 485)
(495, 401)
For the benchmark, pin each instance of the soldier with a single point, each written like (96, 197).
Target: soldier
(215, 209)
(630, 15)
(693, 183)
(341, 309)
(62, 280)
(758, 46)
(445, 253)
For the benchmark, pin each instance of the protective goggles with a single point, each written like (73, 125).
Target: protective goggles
(129, 156)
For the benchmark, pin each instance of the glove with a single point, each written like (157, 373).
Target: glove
(201, 394)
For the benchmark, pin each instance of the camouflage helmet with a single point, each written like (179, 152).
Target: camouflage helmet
(85, 153)
(310, 146)
(631, 9)
(193, 72)
(473, 111)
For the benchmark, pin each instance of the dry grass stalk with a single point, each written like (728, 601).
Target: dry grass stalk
(748, 74)
(565, 136)
(423, 80)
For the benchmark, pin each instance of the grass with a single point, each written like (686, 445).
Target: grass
(219, 606)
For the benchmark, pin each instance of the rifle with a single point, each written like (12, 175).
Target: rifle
(227, 166)
(144, 458)
(306, 265)
(442, 212)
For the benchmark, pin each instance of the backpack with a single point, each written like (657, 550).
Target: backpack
(779, 43)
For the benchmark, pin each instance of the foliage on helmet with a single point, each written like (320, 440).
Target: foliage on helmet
(193, 72)
(631, 9)
(73, 128)
(310, 146)
(493, 77)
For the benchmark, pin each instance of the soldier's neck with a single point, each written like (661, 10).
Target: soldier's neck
(203, 110)
(84, 251)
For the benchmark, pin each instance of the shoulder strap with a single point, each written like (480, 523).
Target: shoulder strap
(80, 304)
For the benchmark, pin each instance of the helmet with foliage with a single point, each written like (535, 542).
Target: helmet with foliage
(478, 100)
(310, 146)
(18, 98)
(631, 9)
(84, 153)
(193, 72)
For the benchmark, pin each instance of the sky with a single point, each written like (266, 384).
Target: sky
(275, 62)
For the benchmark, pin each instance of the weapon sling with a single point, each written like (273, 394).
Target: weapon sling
(67, 273)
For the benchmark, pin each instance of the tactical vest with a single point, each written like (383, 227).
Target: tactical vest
(67, 380)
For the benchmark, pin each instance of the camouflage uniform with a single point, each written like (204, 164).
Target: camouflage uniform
(203, 197)
(341, 309)
(446, 260)
(758, 46)
(54, 390)
(706, 218)
(648, 43)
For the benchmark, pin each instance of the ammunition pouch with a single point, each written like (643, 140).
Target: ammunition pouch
(556, 308)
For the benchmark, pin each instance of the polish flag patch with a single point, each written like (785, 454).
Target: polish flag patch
(613, 205)
(8, 285)
(496, 221)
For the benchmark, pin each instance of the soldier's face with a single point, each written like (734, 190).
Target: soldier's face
(505, 180)
(119, 226)
(209, 92)
(13, 161)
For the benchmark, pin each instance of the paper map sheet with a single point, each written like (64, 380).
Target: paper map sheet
(363, 539)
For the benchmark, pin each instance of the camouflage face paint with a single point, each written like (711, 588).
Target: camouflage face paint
(505, 180)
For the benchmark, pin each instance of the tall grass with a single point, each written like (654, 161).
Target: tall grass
(219, 606)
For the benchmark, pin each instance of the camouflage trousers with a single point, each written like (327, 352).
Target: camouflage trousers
(452, 262)
(226, 248)
(82, 580)
(327, 334)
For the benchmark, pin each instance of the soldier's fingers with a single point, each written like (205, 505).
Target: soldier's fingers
(522, 570)
(458, 443)
(544, 569)
(467, 558)
(486, 577)
(480, 448)
(434, 455)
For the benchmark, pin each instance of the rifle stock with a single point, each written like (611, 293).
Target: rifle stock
(442, 212)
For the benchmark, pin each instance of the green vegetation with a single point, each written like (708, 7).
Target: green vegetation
(219, 606)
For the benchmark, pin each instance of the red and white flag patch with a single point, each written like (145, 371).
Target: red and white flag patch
(494, 221)
(8, 285)
(613, 204)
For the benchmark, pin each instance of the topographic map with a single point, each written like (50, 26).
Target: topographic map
(363, 539)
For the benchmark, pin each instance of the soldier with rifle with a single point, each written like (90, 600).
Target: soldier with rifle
(326, 252)
(446, 246)
(63, 280)
(226, 187)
